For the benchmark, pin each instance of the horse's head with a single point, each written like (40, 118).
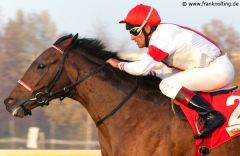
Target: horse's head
(44, 80)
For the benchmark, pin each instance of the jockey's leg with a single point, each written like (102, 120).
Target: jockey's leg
(219, 74)
(213, 119)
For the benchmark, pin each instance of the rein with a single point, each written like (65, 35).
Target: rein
(99, 122)
(43, 98)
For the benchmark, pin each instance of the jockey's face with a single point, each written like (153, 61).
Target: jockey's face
(140, 40)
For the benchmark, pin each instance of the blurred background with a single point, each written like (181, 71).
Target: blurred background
(27, 27)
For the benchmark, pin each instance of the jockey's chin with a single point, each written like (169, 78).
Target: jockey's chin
(140, 44)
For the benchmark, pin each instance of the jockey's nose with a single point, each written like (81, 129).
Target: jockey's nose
(133, 37)
(9, 101)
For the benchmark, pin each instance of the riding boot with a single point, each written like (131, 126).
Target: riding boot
(212, 118)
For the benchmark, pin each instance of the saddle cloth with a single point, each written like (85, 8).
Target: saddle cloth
(228, 105)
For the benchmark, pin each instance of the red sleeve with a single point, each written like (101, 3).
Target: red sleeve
(157, 54)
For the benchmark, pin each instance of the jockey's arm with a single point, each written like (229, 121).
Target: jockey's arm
(144, 66)
(141, 67)
(159, 70)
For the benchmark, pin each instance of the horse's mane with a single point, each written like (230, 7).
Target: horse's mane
(96, 49)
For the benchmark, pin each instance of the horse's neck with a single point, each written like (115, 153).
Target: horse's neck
(100, 97)
(97, 95)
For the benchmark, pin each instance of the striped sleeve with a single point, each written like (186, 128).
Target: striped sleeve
(121, 65)
(157, 54)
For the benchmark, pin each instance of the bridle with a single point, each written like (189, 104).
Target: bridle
(43, 97)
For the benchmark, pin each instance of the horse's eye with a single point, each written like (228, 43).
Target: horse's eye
(41, 66)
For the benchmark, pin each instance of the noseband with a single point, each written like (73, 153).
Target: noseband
(43, 98)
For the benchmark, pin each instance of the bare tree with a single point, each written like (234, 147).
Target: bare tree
(229, 40)
(226, 36)
(29, 33)
(1, 31)
(21, 41)
(24, 37)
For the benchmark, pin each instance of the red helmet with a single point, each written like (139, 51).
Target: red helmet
(139, 13)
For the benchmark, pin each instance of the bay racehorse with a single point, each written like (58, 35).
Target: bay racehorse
(132, 116)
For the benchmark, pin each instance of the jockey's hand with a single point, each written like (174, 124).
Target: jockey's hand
(113, 62)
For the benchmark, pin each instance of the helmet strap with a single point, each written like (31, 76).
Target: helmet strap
(146, 19)
(146, 36)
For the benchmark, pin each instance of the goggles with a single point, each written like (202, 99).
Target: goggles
(135, 31)
(138, 30)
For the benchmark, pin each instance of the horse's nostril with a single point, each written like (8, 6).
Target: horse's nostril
(9, 101)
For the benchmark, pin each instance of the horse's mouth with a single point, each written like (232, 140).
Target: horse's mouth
(18, 112)
(21, 110)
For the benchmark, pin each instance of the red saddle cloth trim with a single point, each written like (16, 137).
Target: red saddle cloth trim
(229, 106)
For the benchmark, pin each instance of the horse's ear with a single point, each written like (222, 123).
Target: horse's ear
(70, 35)
(63, 38)
(73, 41)
(75, 37)
(66, 42)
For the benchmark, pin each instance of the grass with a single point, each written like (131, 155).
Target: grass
(50, 153)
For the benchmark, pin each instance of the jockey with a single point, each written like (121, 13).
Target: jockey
(183, 58)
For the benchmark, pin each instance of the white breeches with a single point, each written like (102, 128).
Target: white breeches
(217, 75)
